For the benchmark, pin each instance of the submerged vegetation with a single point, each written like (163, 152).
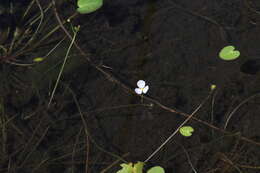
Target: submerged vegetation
(68, 100)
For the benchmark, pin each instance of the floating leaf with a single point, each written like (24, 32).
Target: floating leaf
(186, 130)
(88, 6)
(38, 59)
(229, 53)
(156, 169)
(126, 168)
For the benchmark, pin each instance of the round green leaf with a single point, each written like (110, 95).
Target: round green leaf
(229, 53)
(156, 169)
(88, 6)
(186, 130)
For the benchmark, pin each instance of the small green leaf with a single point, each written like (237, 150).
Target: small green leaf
(138, 167)
(88, 6)
(156, 169)
(229, 53)
(186, 130)
(38, 59)
(126, 168)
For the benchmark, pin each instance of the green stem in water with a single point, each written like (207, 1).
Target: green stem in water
(63, 65)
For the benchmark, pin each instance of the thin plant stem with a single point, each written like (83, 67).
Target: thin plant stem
(62, 67)
(85, 128)
(28, 8)
(189, 159)
(37, 17)
(212, 111)
(114, 163)
(54, 47)
(55, 29)
(74, 150)
(87, 132)
(38, 27)
(238, 106)
(176, 131)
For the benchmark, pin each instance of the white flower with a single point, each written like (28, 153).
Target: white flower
(142, 88)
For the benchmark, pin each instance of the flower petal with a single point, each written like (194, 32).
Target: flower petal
(145, 89)
(141, 83)
(138, 91)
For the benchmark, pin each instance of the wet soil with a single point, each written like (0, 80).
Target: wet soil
(173, 46)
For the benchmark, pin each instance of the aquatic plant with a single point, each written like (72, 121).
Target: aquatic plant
(88, 6)
(229, 53)
(186, 131)
(138, 168)
(28, 34)
(142, 88)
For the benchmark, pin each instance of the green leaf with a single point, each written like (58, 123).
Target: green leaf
(156, 169)
(88, 6)
(138, 167)
(126, 168)
(229, 53)
(38, 59)
(186, 130)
